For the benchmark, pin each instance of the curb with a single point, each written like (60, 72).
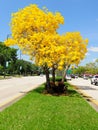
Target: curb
(88, 98)
(10, 101)
(15, 98)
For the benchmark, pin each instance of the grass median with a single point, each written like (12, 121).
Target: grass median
(37, 111)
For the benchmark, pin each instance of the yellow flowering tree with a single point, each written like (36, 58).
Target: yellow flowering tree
(76, 48)
(51, 54)
(34, 31)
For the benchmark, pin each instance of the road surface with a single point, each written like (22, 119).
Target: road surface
(86, 87)
(89, 91)
(11, 89)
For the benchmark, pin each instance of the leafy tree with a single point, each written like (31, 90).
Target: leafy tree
(7, 54)
(79, 70)
(1, 69)
(24, 67)
(92, 67)
(3, 52)
(89, 68)
(96, 62)
(36, 69)
(76, 48)
(34, 31)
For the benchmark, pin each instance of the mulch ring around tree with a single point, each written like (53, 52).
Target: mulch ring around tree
(56, 89)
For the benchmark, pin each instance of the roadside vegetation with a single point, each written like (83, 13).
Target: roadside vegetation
(38, 111)
(90, 69)
(10, 65)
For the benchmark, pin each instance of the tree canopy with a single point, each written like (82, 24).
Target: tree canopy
(7, 54)
(34, 30)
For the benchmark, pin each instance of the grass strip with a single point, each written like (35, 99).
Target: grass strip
(37, 111)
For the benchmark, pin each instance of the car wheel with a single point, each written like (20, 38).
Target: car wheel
(91, 82)
(97, 83)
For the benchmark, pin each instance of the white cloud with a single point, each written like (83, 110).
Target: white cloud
(94, 49)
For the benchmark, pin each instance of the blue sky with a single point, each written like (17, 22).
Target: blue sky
(79, 15)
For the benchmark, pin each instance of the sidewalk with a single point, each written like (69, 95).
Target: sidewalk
(88, 92)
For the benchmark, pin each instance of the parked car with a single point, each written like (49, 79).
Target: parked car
(76, 76)
(96, 82)
(85, 76)
(94, 79)
(72, 76)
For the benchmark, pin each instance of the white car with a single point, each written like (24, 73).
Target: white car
(96, 82)
(68, 77)
(85, 77)
(93, 79)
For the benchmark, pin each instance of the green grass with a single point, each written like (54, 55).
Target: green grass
(45, 112)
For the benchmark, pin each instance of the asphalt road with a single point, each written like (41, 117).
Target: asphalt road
(86, 87)
(11, 89)
(87, 90)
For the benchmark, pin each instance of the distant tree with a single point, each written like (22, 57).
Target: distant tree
(96, 62)
(25, 67)
(7, 56)
(79, 70)
(92, 67)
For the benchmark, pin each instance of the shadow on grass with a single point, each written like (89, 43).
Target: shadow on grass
(39, 90)
(73, 93)
(70, 92)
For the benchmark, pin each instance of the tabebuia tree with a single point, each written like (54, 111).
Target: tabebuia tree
(76, 48)
(34, 30)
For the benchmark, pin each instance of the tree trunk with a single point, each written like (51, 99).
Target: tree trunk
(64, 74)
(53, 74)
(47, 78)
